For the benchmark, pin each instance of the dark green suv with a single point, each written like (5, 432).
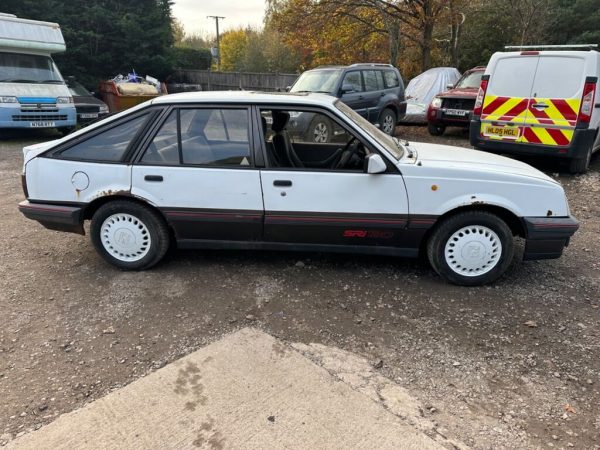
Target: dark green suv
(375, 91)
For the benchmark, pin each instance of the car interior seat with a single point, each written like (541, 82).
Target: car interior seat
(281, 141)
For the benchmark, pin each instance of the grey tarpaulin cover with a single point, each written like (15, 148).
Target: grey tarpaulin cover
(422, 88)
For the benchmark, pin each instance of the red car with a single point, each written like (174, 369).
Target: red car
(454, 107)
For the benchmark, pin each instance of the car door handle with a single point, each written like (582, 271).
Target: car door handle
(539, 105)
(282, 183)
(157, 178)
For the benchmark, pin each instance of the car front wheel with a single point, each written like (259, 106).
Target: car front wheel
(129, 235)
(387, 121)
(436, 130)
(471, 248)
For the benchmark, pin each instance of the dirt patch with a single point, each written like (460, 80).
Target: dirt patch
(513, 365)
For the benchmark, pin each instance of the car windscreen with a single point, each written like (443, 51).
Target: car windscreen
(317, 81)
(390, 143)
(472, 80)
(78, 90)
(20, 68)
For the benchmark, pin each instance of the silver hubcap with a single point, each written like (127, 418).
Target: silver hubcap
(125, 237)
(473, 251)
(320, 132)
(388, 124)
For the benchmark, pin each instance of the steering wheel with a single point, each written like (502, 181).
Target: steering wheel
(350, 149)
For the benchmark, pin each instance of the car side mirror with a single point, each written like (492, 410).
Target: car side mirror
(449, 86)
(346, 88)
(375, 163)
(288, 88)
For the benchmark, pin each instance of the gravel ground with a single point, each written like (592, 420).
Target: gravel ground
(512, 365)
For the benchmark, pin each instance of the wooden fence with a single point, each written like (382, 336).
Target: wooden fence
(233, 81)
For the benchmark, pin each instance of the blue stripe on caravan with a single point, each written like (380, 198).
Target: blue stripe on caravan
(37, 99)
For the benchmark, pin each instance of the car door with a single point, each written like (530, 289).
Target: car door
(334, 207)
(373, 93)
(353, 92)
(198, 170)
(506, 103)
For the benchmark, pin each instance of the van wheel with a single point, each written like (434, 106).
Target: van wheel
(435, 130)
(387, 121)
(581, 165)
(471, 248)
(129, 235)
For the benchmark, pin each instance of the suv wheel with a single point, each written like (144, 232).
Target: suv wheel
(471, 248)
(320, 131)
(435, 130)
(129, 235)
(387, 121)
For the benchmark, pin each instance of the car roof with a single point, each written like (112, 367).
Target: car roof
(253, 97)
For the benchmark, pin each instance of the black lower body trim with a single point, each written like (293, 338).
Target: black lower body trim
(255, 245)
(54, 217)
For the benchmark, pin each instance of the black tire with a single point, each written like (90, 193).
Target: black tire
(320, 130)
(490, 262)
(435, 130)
(581, 165)
(152, 235)
(387, 121)
(66, 130)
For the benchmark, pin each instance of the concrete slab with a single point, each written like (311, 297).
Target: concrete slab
(246, 391)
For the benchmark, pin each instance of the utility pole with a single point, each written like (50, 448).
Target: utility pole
(218, 39)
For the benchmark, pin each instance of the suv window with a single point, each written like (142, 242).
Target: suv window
(110, 145)
(352, 79)
(373, 81)
(391, 79)
(215, 136)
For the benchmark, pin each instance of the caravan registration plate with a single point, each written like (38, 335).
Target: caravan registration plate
(42, 124)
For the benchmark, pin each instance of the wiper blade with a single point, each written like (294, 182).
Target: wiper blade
(17, 80)
(52, 81)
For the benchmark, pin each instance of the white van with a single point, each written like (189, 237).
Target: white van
(33, 93)
(540, 102)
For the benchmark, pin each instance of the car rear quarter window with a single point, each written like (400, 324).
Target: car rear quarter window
(215, 137)
(109, 145)
(513, 77)
(391, 79)
(559, 77)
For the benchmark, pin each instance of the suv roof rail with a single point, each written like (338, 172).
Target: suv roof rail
(328, 66)
(551, 47)
(371, 64)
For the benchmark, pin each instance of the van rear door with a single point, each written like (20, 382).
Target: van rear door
(506, 102)
(555, 100)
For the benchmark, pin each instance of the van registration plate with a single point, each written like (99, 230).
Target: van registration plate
(501, 131)
(42, 124)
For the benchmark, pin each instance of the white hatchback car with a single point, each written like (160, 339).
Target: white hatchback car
(221, 170)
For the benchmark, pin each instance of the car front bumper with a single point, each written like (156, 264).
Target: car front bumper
(54, 217)
(546, 237)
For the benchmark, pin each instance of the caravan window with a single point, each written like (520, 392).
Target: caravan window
(20, 68)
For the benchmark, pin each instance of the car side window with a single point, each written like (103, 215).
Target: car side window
(109, 145)
(371, 81)
(352, 80)
(164, 148)
(218, 137)
(391, 79)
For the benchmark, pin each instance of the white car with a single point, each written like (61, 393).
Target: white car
(219, 170)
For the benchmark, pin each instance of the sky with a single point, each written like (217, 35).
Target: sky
(192, 13)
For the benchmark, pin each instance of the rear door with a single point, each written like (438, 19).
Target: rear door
(355, 98)
(506, 103)
(373, 93)
(555, 100)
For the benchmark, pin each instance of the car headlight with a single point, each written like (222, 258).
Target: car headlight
(436, 102)
(9, 99)
(64, 100)
(103, 109)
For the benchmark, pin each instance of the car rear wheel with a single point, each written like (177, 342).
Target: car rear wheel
(320, 131)
(435, 130)
(581, 165)
(387, 121)
(471, 248)
(129, 235)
